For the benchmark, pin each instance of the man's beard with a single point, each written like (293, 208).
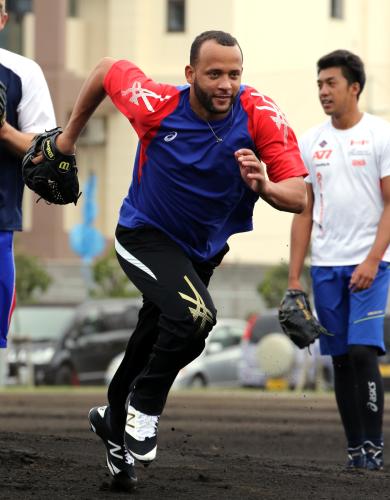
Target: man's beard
(206, 100)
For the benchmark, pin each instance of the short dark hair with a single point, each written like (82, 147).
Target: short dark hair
(221, 37)
(351, 66)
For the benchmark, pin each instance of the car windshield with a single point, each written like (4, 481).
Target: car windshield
(39, 323)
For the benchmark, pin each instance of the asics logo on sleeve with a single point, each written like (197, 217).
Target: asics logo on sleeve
(170, 137)
(137, 92)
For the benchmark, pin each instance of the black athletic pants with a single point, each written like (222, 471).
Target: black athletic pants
(359, 394)
(174, 321)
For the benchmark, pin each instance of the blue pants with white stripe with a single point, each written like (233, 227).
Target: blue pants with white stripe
(353, 317)
(7, 284)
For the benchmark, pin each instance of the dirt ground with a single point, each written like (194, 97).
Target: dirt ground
(212, 445)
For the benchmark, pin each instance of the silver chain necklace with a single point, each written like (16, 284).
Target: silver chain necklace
(217, 138)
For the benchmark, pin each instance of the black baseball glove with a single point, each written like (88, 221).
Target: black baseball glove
(297, 320)
(55, 178)
(3, 103)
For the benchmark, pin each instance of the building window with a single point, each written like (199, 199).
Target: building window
(337, 9)
(176, 16)
(19, 7)
(73, 8)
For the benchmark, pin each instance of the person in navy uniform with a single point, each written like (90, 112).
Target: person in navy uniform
(25, 109)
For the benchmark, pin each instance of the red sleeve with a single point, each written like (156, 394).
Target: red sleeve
(144, 102)
(275, 141)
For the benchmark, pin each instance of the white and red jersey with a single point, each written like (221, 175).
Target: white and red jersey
(345, 170)
(186, 183)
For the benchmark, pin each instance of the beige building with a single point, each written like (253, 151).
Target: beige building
(281, 41)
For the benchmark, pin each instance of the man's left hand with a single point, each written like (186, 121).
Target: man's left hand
(251, 169)
(363, 275)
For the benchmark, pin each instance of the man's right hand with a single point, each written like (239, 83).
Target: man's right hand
(65, 145)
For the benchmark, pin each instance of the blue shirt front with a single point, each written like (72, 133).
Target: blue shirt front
(191, 187)
(185, 181)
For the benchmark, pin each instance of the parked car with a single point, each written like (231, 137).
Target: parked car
(33, 334)
(80, 351)
(265, 346)
(216, 365)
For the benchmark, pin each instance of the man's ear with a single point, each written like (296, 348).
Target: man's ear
(355, 87)
(189, 73)
(3, 20)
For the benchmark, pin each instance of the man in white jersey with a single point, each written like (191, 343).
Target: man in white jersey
(25, 109)
(347, 220)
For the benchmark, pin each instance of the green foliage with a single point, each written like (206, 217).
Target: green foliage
(31, 278)
(275, 281)
(110, 280)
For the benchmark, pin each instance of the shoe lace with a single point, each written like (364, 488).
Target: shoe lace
(127, 456)
(146, 425)
(372, 450)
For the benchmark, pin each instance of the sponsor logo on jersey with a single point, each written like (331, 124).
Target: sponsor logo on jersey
(359, 152)
(139, 94)
(323, 143)
(362, 142)
(324, 154)
(170, 137)
(359, 163)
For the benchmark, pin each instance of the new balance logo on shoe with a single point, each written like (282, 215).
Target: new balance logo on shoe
(115, 448)
(130, 420)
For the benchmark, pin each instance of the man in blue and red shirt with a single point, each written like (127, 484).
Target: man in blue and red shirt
(196, 178)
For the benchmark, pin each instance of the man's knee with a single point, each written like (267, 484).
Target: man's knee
(341, 363)
(190, 326)
(362, 355)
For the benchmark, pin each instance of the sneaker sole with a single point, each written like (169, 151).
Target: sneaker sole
(144, 459)
(122, 482)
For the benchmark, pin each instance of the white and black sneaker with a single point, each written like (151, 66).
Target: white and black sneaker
(141, 435)
(119, 461)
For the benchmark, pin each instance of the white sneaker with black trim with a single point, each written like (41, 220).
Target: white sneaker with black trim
(141, 435)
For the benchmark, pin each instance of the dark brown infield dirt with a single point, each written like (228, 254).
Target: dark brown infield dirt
(212, 445)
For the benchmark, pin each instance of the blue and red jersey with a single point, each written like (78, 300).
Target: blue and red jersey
(185, 183)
